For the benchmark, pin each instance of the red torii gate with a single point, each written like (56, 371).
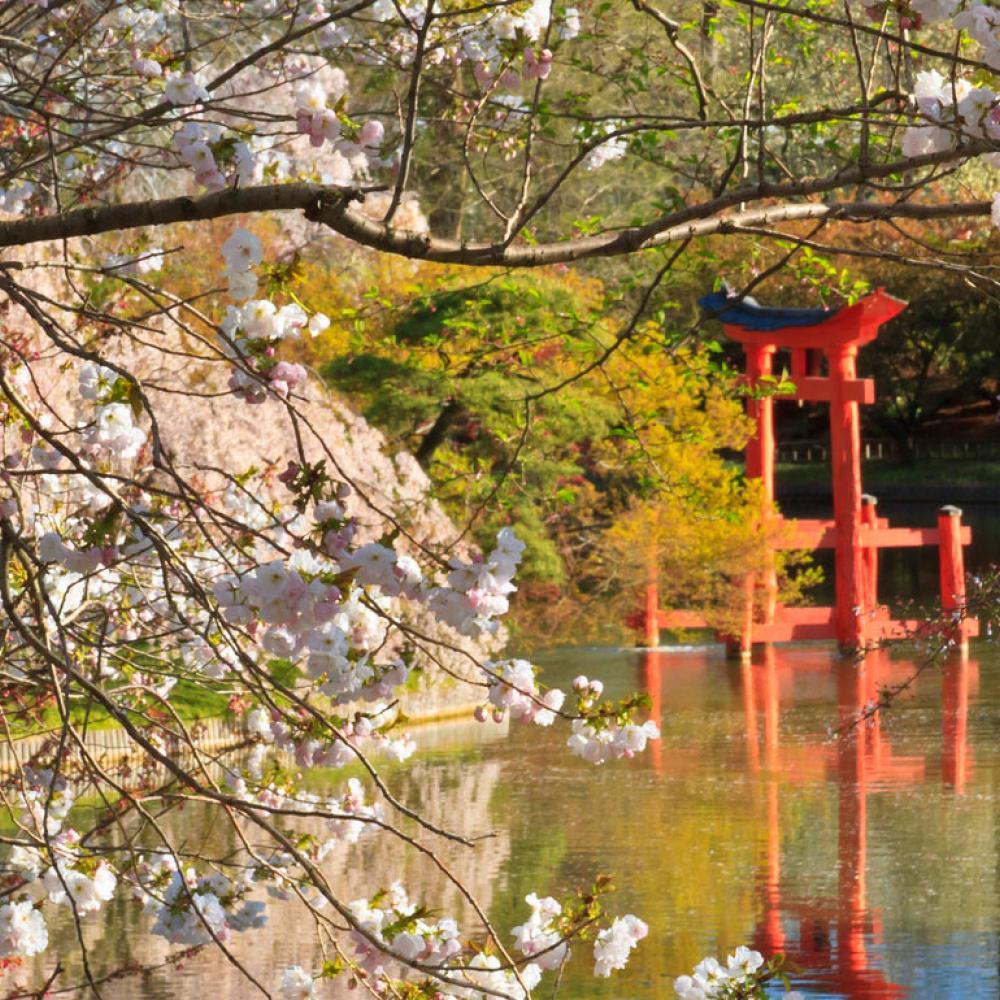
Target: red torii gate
(856, 533)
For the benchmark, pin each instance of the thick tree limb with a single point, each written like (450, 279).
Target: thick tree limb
(333, 208)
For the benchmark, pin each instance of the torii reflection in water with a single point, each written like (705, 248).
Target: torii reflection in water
(830, 938)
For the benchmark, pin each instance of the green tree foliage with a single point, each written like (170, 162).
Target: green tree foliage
(506, 391)
(942, 352)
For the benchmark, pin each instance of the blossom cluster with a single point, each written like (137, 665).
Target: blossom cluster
(14, 199)
(242, 252)
(205, 149)
(180, 89)
(605, 732)
(391, 923)
(605, 146)
(23, 932)
(192, 909)
(393, 931)
(319, 115)
(330, 609)
(539, 937)
(135, 264)
(513, 689)
(950, 110)
(63, 875)
(491, 45)
(614, 944)
(741, 977)
(252, 332)
(362, 733)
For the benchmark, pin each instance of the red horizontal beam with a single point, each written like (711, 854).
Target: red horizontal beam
(799, 624)
(819, 533)
(903, 538)
(805, 616)
(902, 629)
(813, 389)
(807, 533)
(791, 631)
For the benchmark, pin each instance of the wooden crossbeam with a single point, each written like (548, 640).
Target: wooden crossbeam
(792, 631)
(801, 624)
(897, 629)
(820, 533)
(906, 538)
(815, 389)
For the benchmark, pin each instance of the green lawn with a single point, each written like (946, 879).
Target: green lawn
(191, 700)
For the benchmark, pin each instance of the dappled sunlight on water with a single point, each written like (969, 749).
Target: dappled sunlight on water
(869, 858)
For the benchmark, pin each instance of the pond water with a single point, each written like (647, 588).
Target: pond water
(871, 860)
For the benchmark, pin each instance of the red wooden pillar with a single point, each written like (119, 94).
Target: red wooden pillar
(869, 560)
(652, 612)
(952, 568)
(845, 440)
(760, 448)
(760, 465)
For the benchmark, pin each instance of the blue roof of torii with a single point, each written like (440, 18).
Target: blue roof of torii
(751, 315)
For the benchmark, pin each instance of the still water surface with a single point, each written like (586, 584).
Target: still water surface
(872, 861)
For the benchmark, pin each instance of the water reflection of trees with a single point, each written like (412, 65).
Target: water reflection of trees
(865, 856)
(454, 788)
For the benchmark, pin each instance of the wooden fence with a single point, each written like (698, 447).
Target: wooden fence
(806, 452)
(109, 747)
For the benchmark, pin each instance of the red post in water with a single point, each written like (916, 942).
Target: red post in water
(869, 558)
(845, 441)
(760, 452)
(760, 448)
(953, 569)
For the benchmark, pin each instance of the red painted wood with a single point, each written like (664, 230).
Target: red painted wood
(845, 442)
(782, 631)
(899, 629)
(869, 555)
(652, 612)
(820, 390)
(857, 325)
(855, 532)
(807, 533)
(806, 616)
(952, 564)
(907, 538)
(760, 448)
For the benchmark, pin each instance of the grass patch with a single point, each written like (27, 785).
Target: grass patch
(191, 700)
